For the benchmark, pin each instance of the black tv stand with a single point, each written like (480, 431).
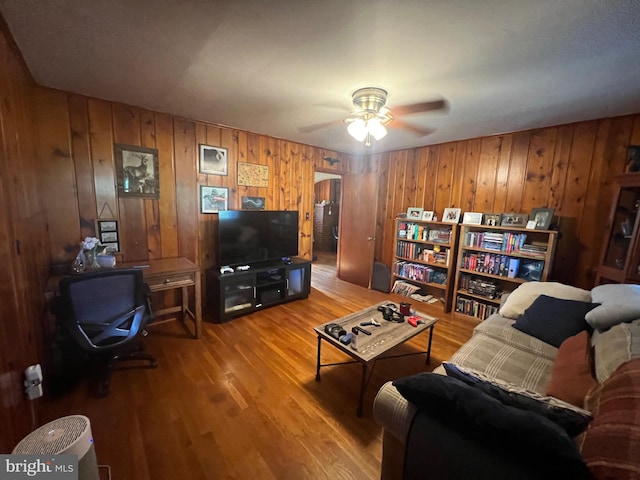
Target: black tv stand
(234, 294)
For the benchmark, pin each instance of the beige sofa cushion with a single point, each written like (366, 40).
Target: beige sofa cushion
(523, 296)
(501, 328)
(506, 362)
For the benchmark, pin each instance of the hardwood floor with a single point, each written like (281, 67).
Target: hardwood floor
(243, 403)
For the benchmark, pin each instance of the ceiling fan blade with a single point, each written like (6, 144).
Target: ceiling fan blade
(419, 131)
(420, 107)
(320, 126)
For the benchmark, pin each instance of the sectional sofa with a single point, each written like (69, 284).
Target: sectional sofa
(549, 387)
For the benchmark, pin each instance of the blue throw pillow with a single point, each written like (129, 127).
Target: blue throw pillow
(553, 320)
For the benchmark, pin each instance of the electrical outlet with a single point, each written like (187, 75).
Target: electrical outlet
(33, 381)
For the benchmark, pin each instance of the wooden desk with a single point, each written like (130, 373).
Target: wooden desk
(169, 274)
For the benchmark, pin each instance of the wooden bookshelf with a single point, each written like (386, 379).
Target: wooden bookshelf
(424, 257)
(493, 260)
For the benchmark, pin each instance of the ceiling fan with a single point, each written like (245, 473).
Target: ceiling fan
(371, 116)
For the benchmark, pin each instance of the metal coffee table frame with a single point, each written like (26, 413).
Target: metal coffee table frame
(371, 348)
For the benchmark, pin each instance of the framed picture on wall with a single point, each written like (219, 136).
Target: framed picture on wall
(213, 199)
(108, 234)
(214, 160)
(253, 203)
(137, 171)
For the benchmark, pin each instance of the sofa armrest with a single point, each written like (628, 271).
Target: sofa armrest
(393, 412)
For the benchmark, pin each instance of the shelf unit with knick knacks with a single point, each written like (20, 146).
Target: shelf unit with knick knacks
(494, 260)
(424, 261)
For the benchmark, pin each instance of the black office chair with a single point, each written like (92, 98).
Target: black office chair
(104, 311)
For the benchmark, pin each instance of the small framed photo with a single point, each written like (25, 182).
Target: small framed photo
(492, 219)
(108, 234)
(214, 160)
(414, 213)
(472, 218)
(514, 219)
(213, 199)
(633, 158)
(531, 225)
(253, 203)
(427, 215)
(108, 237)
(451, 215)
(111, 247)
(137, 171)
(542, 217)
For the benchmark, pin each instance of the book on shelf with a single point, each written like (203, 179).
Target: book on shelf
(439, 236)
(479, 286)
(419, 273)
(474, 308)
(533, 249)
(404, 288)
(514, 266)
(507, 242)
(491, 263)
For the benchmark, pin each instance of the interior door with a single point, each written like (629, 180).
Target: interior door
(356, 245)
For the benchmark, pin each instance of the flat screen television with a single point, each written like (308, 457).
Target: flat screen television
(247, 237)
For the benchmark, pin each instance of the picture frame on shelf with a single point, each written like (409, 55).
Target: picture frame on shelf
(514, 220)
(472, 218)
(530, 270)
(214, 160)
(633, 159)
(492, 219)
(414, 213)
(531, 225)
(213, 199)
(427, 215)
(137, 171)
(542, 217)
(451, 215)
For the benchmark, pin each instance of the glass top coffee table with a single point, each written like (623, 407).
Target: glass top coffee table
(383, 338)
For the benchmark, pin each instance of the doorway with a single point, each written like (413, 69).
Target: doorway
(326, 219)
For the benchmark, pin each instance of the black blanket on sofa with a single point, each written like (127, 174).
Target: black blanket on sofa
(462, 433)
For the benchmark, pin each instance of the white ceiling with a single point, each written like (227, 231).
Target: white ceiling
(271, 66)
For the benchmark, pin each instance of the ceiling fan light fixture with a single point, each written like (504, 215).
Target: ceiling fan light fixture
(376, 128)
(358, 129)
(370, 99)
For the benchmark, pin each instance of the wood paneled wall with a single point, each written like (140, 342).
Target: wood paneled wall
(568, 168)
(77, 135)
(54, 184)
(24, 245)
